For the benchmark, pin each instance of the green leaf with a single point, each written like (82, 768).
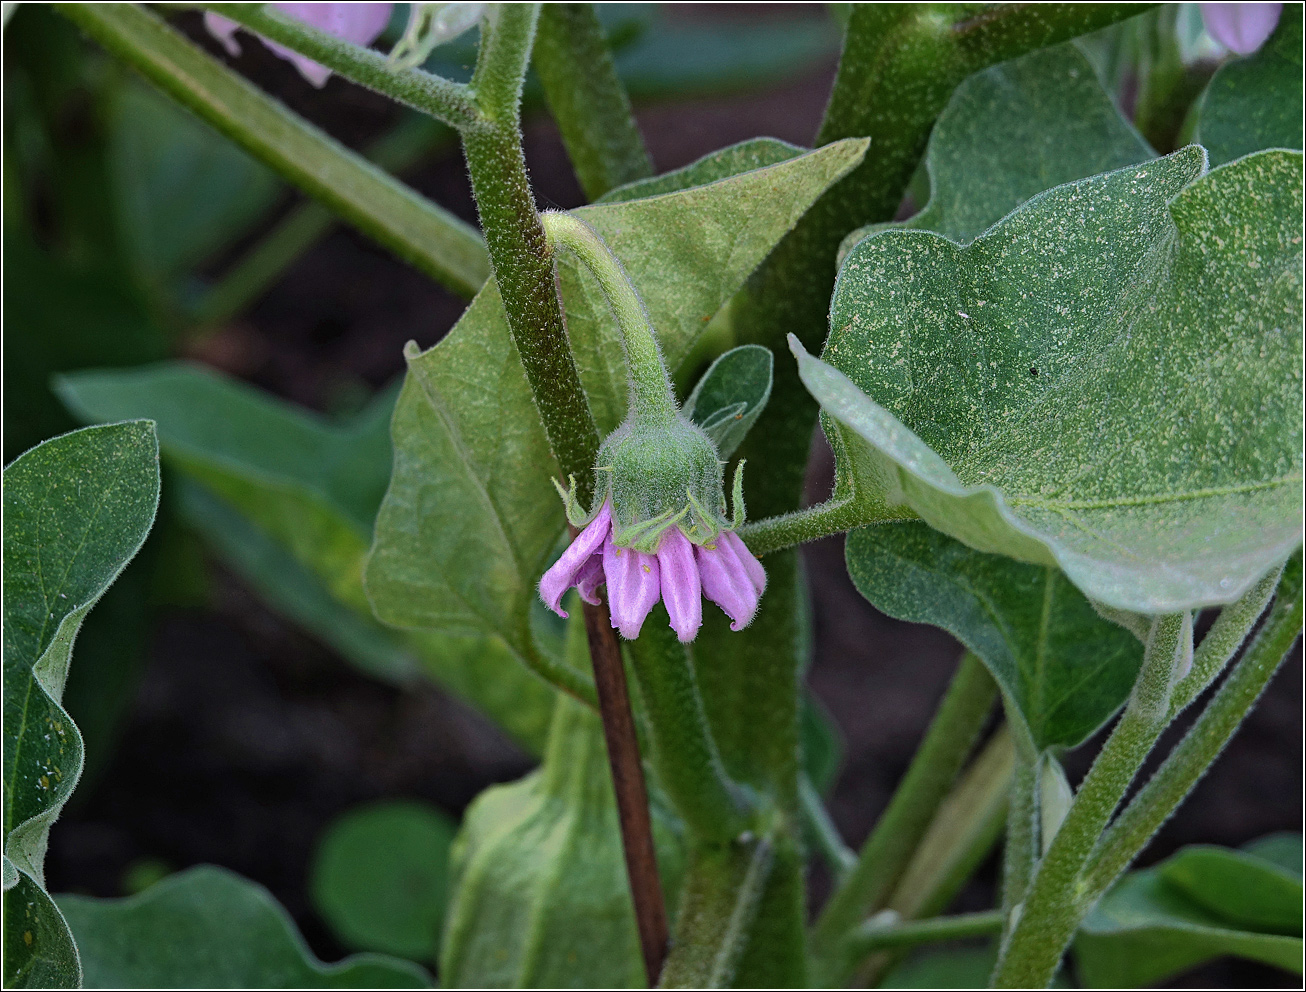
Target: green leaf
(1247, 891)
(1013, 131)
(821, 742)
(1062, 669)
(1284, 850)
(183, 191)
(468, 525)
(1105, 381)
(291, 503)
(952, 968)
(381, 878)
(1256, 102)
(208, 928)
(731, 396)
(76, 509)
(1147, 928)
(541, 898)
(755, 153)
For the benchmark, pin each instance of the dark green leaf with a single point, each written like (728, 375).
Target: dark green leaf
(381, 878)
(468, 524)
(1256, 102)
(822, 744)
(1246, 891)
(1013, 131)
(731, 396)
(208, 928)
(1147, 929)
(1284, 850)
(1062, 668)
(300, 494)
(953, 968)
(76, 509)
(1105, 381)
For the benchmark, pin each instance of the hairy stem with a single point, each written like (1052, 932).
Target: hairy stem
(588, 100)
(887, 852)
(714, 808)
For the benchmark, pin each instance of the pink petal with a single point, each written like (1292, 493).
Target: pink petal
(224, 30)
(726, 582)
(1241, 27)
(563, 575)
(633, 586)
(589, 578)
(681, 590)
(756, 573)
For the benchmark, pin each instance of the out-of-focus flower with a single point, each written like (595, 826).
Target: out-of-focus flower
(361, 23)
(1241, 27)
(430, 25)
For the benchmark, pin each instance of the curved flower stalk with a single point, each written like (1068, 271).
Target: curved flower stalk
(658, 529)
(361, 23)
(1241, 27)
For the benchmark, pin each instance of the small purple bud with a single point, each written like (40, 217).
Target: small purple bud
(568, 569)
(361, 23)
(1241, 27)
(681, 590)
(634, 586)
(726, 582)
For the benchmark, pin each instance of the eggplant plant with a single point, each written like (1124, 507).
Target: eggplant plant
(1053, 337)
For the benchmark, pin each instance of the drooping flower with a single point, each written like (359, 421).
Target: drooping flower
(361, 23)
(1241, 27)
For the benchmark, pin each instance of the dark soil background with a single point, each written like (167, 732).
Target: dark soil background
(247, 737)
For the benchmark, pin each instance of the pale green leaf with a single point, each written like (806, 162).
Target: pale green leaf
(207, 928)
(470, 521)
(731, 395)
(381, 878)
(1107, 381)
(300, 494)
(1147, 928)
(755, 153)
(1239, 886)
(1063, 670)
(76, 509)
(1256, 102)
(1013, 131)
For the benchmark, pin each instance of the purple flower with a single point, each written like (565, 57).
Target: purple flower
(1241, 27)
(361, 23)
(680, 573)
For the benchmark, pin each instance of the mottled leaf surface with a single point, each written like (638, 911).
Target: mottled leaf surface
(1107, 381)
(207, 928)
(380, 878)
(76, 509)
(1062, 669)
(291, 501)
(1013, 131)
(1256, 102)
(1150, 926)
(469, 521)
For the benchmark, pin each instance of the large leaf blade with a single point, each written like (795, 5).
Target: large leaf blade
(1104, 381)
(77, 508)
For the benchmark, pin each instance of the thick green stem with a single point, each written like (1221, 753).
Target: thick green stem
(588, 100)
(1188, 762)
(723, 891)
(885, 855)
(1043, 922)
(1021, 851)
(689, 767)
(419, 232)
(884, 935)
(837, 516)
(652, 393)
(453, 103)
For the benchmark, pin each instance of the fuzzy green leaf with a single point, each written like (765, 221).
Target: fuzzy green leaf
(1256, 102)
(208, 928)
(1013, 131)
(381, 878)
(731, 396)
(469, 523)
(1106, 381)
(299, 495)
(1062, 668)
(1150, 926)
(76, 509)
